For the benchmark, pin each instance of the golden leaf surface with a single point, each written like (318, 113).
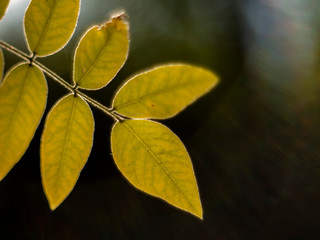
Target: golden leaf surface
(66, 143)
(163, 92)
(100, 54)
(155, 161)
(3, 7)
(49, 24)
(23, 98)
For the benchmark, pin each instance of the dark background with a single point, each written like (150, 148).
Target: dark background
(253, 140)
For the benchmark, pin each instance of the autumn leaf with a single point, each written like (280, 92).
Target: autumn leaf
(23, 97)
(66, 143)
(155, 161)
(163, 92)
(95, 65)
(49, 24)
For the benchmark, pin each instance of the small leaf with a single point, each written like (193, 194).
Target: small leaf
(3, 7)
(95, 65)
(65, 147)
(155, 161)
(1, 65)
(49, 24)
(23, 97)
(163, 92)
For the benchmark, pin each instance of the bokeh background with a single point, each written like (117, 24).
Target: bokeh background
(254, 140)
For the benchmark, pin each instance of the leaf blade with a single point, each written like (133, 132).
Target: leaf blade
(23, 97)
(96, 65)
(49, 25)
(3, 8)
(155, 161)
(65, 147)
(163, 92)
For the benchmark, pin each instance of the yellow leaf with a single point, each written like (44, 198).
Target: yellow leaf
(65, 147)
(23, 97)
(49, 24)
(155, 161)
(100, 54)
(163, 92)
(1, 65)
(3, 7)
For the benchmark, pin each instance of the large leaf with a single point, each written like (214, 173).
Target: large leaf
(65, 147)
(96, 64)
(155, 161)
(23, 97)
(3, 7)
(49, 24)
(1, 65)
(163, 92)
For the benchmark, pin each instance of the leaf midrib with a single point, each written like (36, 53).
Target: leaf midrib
(13, 122)
(62, 158)
(94, 62)
(44, 32)
(159, 162)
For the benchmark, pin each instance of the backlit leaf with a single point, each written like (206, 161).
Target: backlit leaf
(3, 7)
(23, 97)
(65, 147)
(155, 161)
(163, 92)
(1, 65)
(100, 54)
(49, 24)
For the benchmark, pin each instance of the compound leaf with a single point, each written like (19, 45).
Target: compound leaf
(1, 65)
(100, 54)
(65, 147)
(49, 24)
(3, 7)
(163, 92)
(23, 97)
(155, 161)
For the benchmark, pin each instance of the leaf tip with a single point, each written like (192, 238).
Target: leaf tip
(119, 15)
(54, 203)
(118, 20)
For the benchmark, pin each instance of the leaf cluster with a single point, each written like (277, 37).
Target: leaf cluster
(147, 153)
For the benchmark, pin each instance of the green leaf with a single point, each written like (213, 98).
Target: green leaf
(1, 65)
(23, 97)
(3, 7)
(65, 147)
(155, 161)
(95, 65)
(49, 24)
(163, 92)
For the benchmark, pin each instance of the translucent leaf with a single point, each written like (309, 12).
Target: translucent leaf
(23, 97)
(65, 147)
(95, 65)
(3, 7)
(155, 161)
(49, 24)
(1, 65)
(163, 92)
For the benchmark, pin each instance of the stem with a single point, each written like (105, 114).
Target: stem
(98, 105)
(15, 51)
(53, 75)
(31, 60)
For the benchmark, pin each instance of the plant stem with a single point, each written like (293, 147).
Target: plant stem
(15, 51)
(31, 60)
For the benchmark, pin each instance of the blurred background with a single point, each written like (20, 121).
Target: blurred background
(254, 140)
